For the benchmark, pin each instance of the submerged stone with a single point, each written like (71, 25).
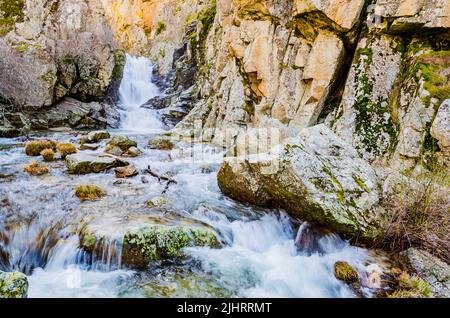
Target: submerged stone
(13, 285)
(83, 163)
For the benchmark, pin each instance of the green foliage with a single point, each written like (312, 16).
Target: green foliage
(411, 287)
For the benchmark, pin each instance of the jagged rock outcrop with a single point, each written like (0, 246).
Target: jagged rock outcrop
(57, 48)
(273, 63)
(315, 177)
(398, 79)
(68, 113)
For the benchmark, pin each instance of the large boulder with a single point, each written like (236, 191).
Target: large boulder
(13, 285)
(81, 163)
(144, 239)
(315, 177)
(430, 269)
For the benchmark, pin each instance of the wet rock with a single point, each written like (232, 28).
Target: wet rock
(441, 127)
(132, 152)
(345, 272)
(430, 269)
(13, 124)
(94, 137)
(161, 143)
(315, 177)
(34, 148)
(89, 146)
(83, 163)
(13, 285)
(158, 202)
(119, 145)
(89, 192)
(126, 172)
(36, 169)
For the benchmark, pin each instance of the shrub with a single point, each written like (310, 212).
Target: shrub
(89, 192)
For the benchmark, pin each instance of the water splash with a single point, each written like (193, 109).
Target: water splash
(136, 89)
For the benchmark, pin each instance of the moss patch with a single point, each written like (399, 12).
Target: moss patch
(11, 12)
(343, 271)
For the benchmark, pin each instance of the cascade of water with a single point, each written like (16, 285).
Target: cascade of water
(135, 90)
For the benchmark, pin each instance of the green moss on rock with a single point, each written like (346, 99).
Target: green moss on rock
(11, 12)
(162, 242)
(13, 285)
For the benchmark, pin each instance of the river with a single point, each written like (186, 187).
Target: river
(265, 253)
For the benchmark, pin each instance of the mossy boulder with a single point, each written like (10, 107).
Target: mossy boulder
(119, 145)
(345, 272)
(315, 177)
(161, 242)
(146, 238)
(83, 163)
(13, 285)
(161, 143)
(34, 148)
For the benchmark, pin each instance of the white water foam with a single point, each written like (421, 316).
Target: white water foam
(135, 90)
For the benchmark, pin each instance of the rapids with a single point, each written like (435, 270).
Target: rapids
(266, 253)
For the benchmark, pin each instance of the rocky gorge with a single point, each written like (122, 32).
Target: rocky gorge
(309, 133)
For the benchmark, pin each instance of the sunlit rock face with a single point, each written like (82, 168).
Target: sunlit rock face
(57, 48)
(273, 64)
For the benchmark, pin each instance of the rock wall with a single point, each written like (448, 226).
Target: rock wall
(51, 49)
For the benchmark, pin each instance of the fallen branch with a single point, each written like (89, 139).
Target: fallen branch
(160, 178)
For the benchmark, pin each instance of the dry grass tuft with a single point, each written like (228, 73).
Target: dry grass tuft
(421, 216)
(48, 154)
(34, 168)
(89, 192)
(66, 149)
(406, 286)
(34, 148)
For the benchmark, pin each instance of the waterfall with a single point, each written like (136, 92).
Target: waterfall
(135, 90)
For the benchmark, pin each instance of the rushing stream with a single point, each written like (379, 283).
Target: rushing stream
(265, 253)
